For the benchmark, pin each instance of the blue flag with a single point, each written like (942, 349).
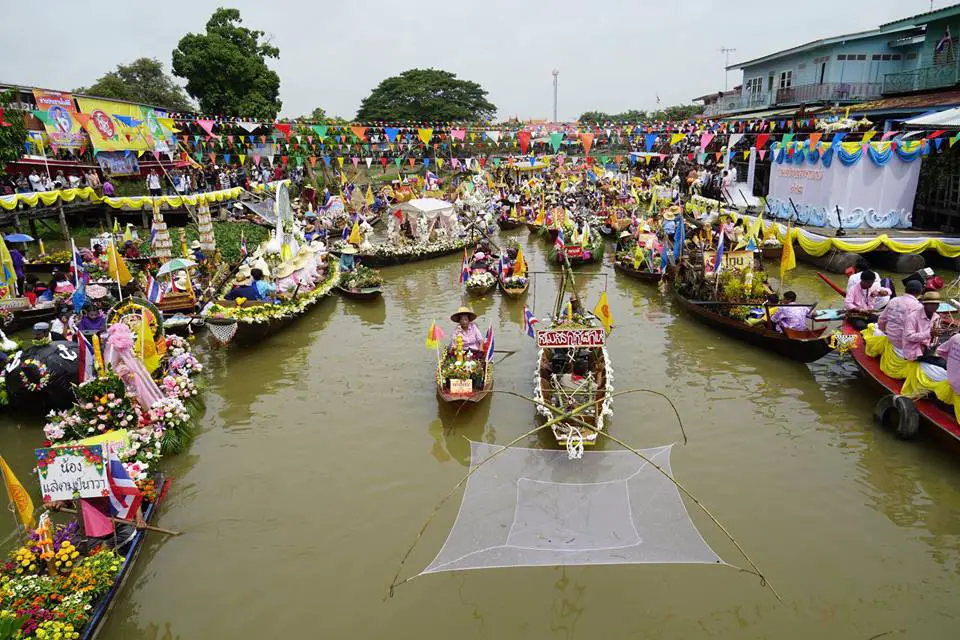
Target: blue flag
(679, 237)
(663, 257)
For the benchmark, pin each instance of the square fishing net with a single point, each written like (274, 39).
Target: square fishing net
(536, 507)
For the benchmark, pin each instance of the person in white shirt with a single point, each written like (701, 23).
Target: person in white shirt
(36, 184)
(153, 183)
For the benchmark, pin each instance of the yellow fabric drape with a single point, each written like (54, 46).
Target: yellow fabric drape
(48, 198)
(817, 245)
(919, 384)
(890, 363)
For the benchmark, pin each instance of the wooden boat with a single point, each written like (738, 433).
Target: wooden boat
(506, 224)
(548, 388)
(934, 414)
(26, 318)
(250, 333)
(363, 293)
(805, 346)
(387, 260)
(637, 274)
(444, 393)
(533, 227)
(481, 290)
(130, 552)
(771, 253)
(513, 292)
(180, 324)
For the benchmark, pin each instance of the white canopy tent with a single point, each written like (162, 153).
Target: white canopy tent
(948, 119)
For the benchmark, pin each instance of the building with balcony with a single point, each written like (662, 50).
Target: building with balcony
(840, 70)
(870, 71)
(715, 104)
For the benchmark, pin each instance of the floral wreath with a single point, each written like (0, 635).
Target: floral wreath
(30, 385)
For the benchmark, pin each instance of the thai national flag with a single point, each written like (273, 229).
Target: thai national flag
(464, 268)
(154, 290)
(718, 261)
(528, 322)
(346, 232)
(559, 243)
(87, 371)
(243, 245)
(125, 497)
(503, 268)
(489, 344)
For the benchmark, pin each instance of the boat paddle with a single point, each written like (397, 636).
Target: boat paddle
(832, 285)
(146, 527)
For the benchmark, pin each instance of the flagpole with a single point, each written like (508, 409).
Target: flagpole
(116, 267)
(76, 267)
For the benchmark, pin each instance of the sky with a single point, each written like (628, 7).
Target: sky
(613, 55)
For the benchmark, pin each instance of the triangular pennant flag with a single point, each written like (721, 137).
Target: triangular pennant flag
(458, 134)
(677, 137)
(705, 140)
(391, 133)
(369, 161)
(320, 130)
(524, 137)
(425, 135)
(587, 140)
(814, 140)
(360, 132)
(249, 127)
(283, 128)
(206, 125)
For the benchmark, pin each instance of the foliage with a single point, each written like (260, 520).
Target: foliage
(54, 257)
(226, 68)
(143, 81)
(427, 95)
(361, 277)
(227, 235)
(12, 138)
(673, 113)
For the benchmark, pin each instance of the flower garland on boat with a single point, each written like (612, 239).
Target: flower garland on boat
(103, 404)
(515, 282)
(361, 278)
(35, 604)
(260, 313)
(412, 249)
(480, 281)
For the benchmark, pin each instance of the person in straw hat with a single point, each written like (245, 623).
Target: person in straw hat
(347, 261)
(466, 329)
(197, 251)
(919, 329)
(243, 286)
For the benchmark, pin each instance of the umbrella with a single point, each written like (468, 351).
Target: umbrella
(18, 237)
(175, 265)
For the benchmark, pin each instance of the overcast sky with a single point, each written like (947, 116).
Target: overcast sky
(613, 55)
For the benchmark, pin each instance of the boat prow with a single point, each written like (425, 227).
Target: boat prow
(514, 292)
(637, 274)
(445, 394)
(364, 293)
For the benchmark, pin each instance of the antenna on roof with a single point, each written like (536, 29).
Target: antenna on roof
(726, 51)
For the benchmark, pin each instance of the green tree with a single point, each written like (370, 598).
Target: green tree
(14, 136)
(679, 112)
(226, 68)
(427, 95)
(144, 81)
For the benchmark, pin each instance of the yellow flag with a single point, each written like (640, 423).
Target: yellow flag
(355, 234)
(127, 235)
(869, 135)
(43, 250)
(431, 341)
(116, 226)
(755, 228)
(369, 195)
(540, 217)
(116, 267)
(788, 260)
(602, 311)
(18, 495)
(637, 255)
(513, 212)
(520, 265)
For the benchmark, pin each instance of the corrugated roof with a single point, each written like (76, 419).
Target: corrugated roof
(906, 104)
(950, 119)
(816, 44)
(924, 18)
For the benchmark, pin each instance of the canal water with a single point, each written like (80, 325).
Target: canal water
(322, 452)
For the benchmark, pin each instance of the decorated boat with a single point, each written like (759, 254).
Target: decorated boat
(362, 283)
(573, 371)
(463, 376)
(577, 249)
(246, 322)
(901, 412)
(804, 346)
(508, 224)
(514, 286)
(480, 269)
(637, 274)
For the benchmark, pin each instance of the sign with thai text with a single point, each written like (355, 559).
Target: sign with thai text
(72, 471)
(570, 338)
(461, 386)
(14, 304)
(735, 260)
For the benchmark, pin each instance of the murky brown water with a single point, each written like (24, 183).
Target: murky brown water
(322, 452)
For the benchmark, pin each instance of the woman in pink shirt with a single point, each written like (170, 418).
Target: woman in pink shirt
(466, 329)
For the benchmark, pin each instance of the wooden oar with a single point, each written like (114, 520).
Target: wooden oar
(832, 285)
(147, 527)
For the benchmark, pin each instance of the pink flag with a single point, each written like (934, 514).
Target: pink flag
(705, 139)
(95, 523)
(206, 125)
(458, 134)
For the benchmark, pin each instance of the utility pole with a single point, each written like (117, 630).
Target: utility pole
(726, 51)
(556, 73)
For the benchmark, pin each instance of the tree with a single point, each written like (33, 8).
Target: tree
(429, 95)
(12, 137)
(226, 68)
(674, 113)
(679, 112)
(143, 81)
